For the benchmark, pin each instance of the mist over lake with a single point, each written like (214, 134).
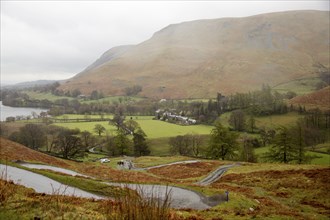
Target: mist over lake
(7, 111)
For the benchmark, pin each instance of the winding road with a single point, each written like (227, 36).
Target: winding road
(180, 197)
(42, 184)
(215, 175)
(169, 164)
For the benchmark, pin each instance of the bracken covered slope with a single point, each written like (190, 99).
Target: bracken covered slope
(196, 59)
(10, 150)
(318, 99)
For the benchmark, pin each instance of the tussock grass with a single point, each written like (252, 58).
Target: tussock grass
(6, 189)
(136, 206)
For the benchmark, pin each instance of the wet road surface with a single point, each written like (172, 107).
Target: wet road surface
(180, 197)
(42, 184)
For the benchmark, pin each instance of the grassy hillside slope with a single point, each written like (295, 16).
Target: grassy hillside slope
(319, 99)
(199, 58)
(10, 150)
(259, 191)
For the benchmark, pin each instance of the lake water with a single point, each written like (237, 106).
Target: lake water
(7, 111)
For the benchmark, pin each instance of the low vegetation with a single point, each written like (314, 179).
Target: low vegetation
(24, 203)
(300, 86)
(272, 194)
(255, 190)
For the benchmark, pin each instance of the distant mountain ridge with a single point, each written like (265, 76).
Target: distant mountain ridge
(108, 56)
(30, 84)
(196, 59)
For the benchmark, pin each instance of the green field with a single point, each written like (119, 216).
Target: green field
(114, 99)
(159, 129)
(299, 86)
(88, 126)
(272, 121)
(152, 128)
(48, 96)
(324, 159)
(73, 116)
(159, 146)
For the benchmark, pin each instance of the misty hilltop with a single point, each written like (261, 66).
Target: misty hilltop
(196, 59)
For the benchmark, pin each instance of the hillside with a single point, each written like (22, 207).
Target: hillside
(199, 58)
(318, 99)
(260, 191)
(10, 150)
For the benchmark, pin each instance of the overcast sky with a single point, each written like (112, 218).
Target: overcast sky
(58, 39)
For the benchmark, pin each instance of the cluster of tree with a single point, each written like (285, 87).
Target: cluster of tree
(121, 144)
(287, 148)
(45, 88)
(65, 142)
(317, 119)
(260, 102)
(18, 98)
(13, 98)
(257, 103)
(75, 106)
(71, 143)
(289, 143)
(95, 95)
(133, 90)
(221, 144)
(246, 151)
(187, 145)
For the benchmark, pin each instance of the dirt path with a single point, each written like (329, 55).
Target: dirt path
(215, 175)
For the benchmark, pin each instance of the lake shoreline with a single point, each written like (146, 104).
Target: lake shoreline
(9, 111)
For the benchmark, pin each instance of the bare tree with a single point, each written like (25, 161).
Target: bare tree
(237, 120)
(69, 144)
(99, 129)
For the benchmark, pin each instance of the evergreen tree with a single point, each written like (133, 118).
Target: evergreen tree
(122, 142)
(222, 143)
(283, 149)
(298, 138)
(141, 147)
